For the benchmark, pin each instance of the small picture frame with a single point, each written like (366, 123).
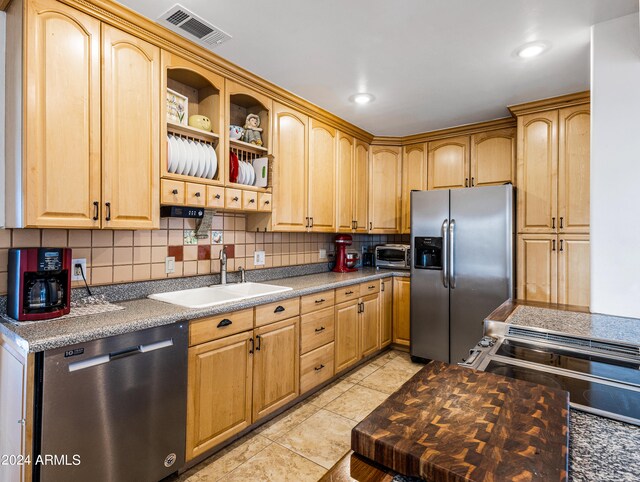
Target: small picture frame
(177, 108)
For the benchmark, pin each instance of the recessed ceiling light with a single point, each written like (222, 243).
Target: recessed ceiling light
(362, 98)
(532, 49)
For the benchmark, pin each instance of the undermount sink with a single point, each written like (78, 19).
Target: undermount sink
(218, 294)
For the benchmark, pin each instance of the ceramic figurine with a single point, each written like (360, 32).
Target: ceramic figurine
(252, 130)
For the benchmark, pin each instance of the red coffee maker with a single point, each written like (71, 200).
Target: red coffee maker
(345, 262)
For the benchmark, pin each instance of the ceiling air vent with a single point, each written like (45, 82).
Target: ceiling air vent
(193, 27)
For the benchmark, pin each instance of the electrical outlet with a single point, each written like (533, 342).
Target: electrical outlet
(322, 254)
(258, 258)
(170, 264)
(76, 274)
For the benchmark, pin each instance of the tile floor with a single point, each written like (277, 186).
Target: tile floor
(305, 441)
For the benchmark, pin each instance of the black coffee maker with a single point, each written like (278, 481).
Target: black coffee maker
(39, 284)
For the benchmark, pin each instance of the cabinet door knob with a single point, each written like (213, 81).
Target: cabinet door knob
(217, 196)
(252, 200)
(267, 202)
(108, 217)
(174, 192)
(197, 194)
(95, 210)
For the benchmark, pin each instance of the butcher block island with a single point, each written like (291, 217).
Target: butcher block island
(450, 423)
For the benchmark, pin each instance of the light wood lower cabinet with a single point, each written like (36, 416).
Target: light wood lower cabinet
(574, 274)
(401, 311)
(369, 325)
(554, 268)
(316, 367)
(219, 391)
(386, 312)
(347, 348)
(276, 366)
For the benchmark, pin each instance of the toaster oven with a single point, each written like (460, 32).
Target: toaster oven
(393, 256)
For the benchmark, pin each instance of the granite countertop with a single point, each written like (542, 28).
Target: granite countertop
(568, 320)
(146, 313)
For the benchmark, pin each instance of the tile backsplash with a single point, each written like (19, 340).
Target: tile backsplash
(126, 256)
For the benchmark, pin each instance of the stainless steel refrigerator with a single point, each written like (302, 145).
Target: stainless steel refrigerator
(462, 244)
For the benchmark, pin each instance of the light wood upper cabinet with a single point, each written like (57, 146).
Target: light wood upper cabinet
(370, 324)
(574, 276)
(384, 189)
(347, 346)
(448, 163)
(322, 177)
(401, 311)
(573, 169)
(276, 366)
(538, 172)
(345, 185)
(361, 187)
(290, 149)
(130, 131)
(414, 178)
(219, 391)
(537, 267)
(493, 157)
(386, 312)
(62, 109)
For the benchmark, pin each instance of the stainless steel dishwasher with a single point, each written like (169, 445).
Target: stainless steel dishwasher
(114, 409)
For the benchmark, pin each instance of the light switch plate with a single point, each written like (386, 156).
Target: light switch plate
(322, 254)
(170, 264)
(76, 275)
(258, 258)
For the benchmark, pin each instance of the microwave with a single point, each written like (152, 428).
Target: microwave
(393, 256)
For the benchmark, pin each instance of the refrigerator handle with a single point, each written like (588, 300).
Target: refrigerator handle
(452, 273)
(445, 230)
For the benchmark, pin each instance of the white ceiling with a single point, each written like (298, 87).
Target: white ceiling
(430, 64)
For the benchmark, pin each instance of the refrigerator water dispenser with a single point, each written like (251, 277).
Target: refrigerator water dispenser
(428, 253)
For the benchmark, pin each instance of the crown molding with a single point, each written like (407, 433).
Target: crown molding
(551, 103)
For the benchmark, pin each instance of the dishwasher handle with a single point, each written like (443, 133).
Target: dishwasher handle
(116, 355)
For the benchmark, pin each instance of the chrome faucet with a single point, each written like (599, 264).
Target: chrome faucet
(242, 276)
(223, 266)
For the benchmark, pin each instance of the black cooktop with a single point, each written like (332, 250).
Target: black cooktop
(595, 365)
(588, 393)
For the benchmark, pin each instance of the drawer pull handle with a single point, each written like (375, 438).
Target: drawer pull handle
(252, 200)
(319, 368)
(225, 322)
(319, 330)
(235, 199)
(197, 194)
(321, 300)
(267, 202)
(372, 287)
(175, 191)
(279, 309)
(348, 292)
(217, 196)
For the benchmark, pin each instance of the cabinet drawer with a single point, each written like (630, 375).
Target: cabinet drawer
(207, 329)
(249, 200)
(264, 202)
(347, 293)
(232, 198)
(370, 287)
(215, 197)
(280, 310)
(316, 367)
(172, 192)
(317, 301)
(316, 329)
(196, 194)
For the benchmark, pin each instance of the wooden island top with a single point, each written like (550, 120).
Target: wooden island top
(450, 423)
